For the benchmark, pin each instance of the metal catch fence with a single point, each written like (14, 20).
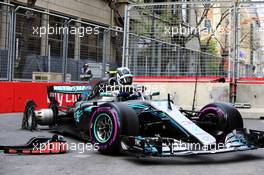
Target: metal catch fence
(42, 46)
(179, 38)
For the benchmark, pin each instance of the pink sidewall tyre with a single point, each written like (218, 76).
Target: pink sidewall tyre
(108, 123)
(225, 118)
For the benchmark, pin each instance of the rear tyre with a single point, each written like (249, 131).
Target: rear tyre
(54, 107)
(224, 117)
(29, 118)
(108, 123)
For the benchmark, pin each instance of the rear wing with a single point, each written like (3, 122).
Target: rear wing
(74, 90)
(69, 89)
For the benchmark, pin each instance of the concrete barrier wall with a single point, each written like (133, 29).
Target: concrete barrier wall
(184, 92)
(252, 94)
(14, 95)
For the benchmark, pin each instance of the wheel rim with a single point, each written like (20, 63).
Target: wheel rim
(212, 118)
(219, 128)
(103, 128)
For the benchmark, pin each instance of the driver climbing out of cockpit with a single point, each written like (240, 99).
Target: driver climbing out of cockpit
(118, 79)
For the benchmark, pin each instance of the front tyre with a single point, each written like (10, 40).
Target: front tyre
(223, 119)
(105, 130)
(108, 123)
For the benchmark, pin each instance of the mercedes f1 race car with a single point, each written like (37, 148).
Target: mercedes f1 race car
(127, 119)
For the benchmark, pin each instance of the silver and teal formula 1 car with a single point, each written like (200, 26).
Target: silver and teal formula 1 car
(146, 127)
(117, 115)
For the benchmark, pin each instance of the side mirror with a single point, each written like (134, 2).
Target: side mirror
(155, 94)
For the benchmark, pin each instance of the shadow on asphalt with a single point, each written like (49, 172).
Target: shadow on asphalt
(214, 159)
(195, 160)
(227, 158)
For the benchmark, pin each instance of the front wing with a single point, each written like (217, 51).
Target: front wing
(238, 140)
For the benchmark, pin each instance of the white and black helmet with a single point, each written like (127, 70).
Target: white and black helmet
(124, 76)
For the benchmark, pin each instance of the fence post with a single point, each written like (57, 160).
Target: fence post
(154, 45)
(10, 44)
(237, 42)
(13, 45)
(106, 39)
(229, 49)
(159, 57)
(77, 43)
(44, 44)
(127, 37)
(65, 50)
(236, 54)
(125, 30)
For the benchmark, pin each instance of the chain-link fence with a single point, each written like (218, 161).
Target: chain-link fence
(38, 49)
(166, 59)
(5, 39)
(42, 46)
(250, 40)
(102, 45)
(179, 38)
(160, 39)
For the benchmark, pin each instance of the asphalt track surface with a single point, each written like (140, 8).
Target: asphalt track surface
(92, 163)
